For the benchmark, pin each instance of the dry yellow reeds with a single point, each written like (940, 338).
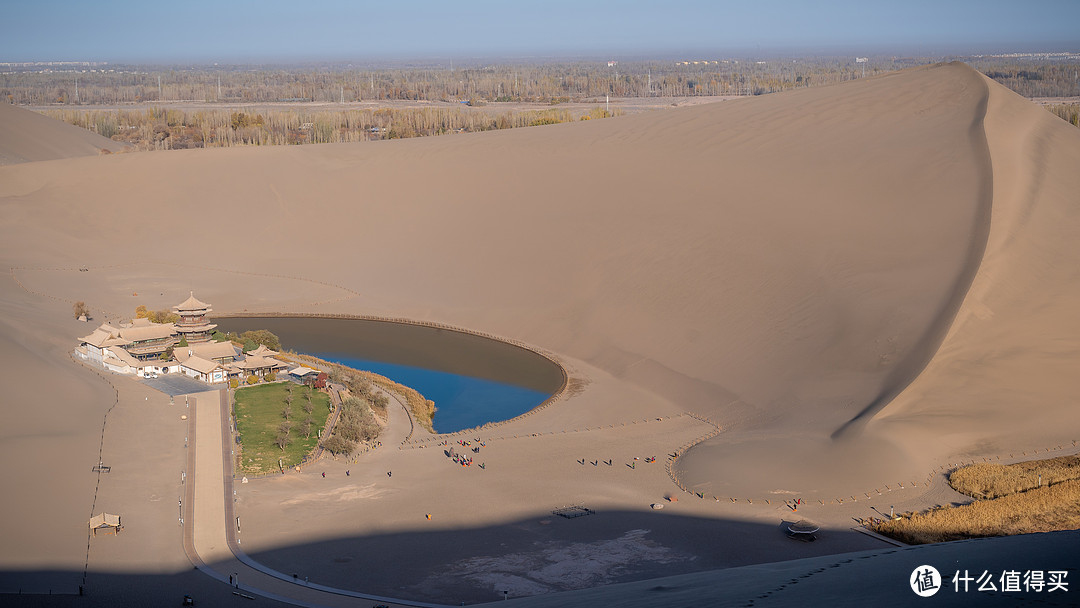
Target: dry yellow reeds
(993, 480)
(166, 129)
(1069, 112)
(1040, 510)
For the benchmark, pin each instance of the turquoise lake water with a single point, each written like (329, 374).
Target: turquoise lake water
(461, 402)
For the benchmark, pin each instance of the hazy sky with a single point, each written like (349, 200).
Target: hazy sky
(278, 30)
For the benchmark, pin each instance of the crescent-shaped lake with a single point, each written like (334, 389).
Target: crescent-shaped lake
(473, 380)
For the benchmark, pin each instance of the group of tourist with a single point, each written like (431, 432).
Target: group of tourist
(462, 459)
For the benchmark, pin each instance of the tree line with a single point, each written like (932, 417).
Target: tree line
(171, 129)
(1032, 78)
(521, 82)
(482, 87)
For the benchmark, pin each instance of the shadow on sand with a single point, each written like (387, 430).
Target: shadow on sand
(544, 554)
(878, 577)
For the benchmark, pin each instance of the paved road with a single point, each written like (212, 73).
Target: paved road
(176, 384)
(210, 533)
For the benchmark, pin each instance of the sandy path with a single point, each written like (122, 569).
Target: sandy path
(401, 426)
(208, 535)
(209, 516)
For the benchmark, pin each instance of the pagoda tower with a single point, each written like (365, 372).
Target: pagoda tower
(193, 325)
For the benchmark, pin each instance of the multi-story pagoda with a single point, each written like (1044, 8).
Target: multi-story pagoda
(193, 325)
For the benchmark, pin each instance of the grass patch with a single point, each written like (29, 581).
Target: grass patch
(259, 418)
(1009, 501)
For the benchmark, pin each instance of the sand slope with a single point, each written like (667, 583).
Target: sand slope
(999, 383)
(858, 281)
(27, 136)
(774, 261)
(1004, 378)
(785, 263)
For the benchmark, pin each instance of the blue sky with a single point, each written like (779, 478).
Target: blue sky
(276, 30)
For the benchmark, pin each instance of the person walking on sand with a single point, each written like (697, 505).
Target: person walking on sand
(389, 473)
(324, 474)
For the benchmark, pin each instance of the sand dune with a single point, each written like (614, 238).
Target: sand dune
(1002, 379)
(27, 136)
(859, 282)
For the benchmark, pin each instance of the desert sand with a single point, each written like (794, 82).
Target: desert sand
(844, 288)
(26, 137)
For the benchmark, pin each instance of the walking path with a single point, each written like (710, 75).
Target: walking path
(210, 525)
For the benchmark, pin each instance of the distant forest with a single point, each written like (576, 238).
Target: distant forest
(540, 83)
(220, 92)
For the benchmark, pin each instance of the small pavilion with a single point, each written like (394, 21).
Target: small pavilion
(105, 522)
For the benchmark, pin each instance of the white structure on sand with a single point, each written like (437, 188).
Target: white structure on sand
(186, 347)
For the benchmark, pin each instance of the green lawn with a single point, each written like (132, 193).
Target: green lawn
(258, 416)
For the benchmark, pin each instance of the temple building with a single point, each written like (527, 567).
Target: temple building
(207, 361)
(259, 362)
(146, 349)
(147, 341)
(139, 340)
(193, 325)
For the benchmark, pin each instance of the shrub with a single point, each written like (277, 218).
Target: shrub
(234, 382)
(380, 402)
(239, 120)
(270, 377)
(283, 441)
(80, 309)
(356, 422)
(252, 379)
(261, 336)
(157, 316)
(338, 446)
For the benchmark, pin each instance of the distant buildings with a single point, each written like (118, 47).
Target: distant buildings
(185, 347)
